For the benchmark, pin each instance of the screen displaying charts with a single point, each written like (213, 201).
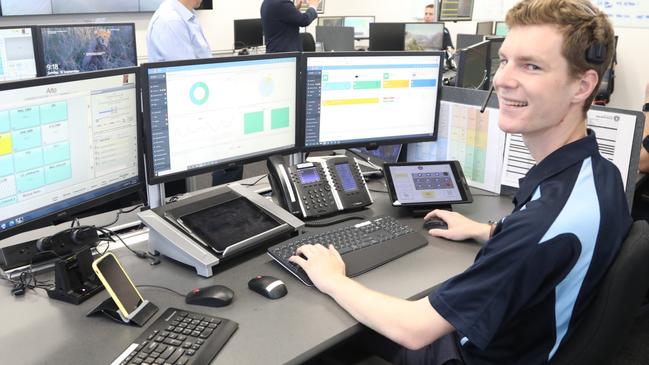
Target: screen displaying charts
(359, 100)
(16, 54)
(66, 143)
(205, 114)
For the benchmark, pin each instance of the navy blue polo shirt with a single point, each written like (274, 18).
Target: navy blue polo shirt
(532, 281)
(281, 22)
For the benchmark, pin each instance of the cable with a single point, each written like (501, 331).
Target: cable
(119, 212)
(159, 287)
(256, 181)
(332, 222)
(141, 254)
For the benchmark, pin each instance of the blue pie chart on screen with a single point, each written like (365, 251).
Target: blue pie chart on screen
(199, 93)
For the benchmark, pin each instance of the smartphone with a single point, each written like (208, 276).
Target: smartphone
(118, 284)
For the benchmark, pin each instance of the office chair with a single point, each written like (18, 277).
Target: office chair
(308, 43)
(599, 336)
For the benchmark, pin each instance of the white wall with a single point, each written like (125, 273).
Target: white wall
(633, 48)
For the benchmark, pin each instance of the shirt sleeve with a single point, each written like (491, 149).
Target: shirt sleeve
(509, 271)
(288, 13)
(169, 41)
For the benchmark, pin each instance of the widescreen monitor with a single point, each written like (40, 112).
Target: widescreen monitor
(365, 99)
(67, 143)
(456, 10)
(331, 21)
(86, 47)
(424, 36)
(361, 25)
(473, 66)
(17, 55)
(501, 29)
(386, 36)
(201, 115)
(248, 33)
(484, 28)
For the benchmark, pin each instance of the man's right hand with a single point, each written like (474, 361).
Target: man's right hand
(298, 4)
(314, 3)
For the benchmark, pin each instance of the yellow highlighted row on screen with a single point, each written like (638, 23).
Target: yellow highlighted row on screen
(335, 102)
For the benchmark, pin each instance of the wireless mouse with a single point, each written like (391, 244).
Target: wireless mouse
(268, 286)
(210, 296)
(435, 223)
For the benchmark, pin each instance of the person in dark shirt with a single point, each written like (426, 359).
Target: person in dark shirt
(541, 265)
(281, 21)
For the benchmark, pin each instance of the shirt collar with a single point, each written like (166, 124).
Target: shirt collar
(554, 163)
(185, 13)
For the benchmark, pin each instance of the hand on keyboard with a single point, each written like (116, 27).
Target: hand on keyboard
(323, 265)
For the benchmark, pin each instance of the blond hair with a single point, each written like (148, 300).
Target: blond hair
(582, 25)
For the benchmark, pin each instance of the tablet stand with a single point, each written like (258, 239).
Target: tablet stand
(139, 316)
(422, 211)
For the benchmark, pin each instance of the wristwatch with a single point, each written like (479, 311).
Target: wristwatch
(645, 107)
(645, 143)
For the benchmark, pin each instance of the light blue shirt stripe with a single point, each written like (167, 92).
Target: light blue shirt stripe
(174, 34)
(580, 207)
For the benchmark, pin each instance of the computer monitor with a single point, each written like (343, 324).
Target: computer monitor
(494, 58)
(501, 29)
(465, 40)
(473, 66)
(335, 38)
(17, 55)
(201, 115)
(386, 36)
(331, 21)
(423, 37)
(361, 25)
(86, 47)
(484, 28)
(67, 143)
(455, 10)
(248, 33)
(366, 99)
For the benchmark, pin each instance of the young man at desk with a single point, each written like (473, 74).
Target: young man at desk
(540, 267)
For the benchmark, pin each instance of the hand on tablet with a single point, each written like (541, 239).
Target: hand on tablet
(459, 227)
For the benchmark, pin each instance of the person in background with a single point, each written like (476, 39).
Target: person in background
(175, 34)
(430, 16)
(541, 265)
(281, 21)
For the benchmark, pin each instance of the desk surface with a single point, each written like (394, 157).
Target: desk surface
(37, 330)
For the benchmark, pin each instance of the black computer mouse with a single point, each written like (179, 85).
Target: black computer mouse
(268, 286)
(435, 223)
(210, 296)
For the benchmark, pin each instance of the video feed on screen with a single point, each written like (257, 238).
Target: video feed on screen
(70, 49)
(424, 37)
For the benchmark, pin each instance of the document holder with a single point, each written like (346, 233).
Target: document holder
(139, 317)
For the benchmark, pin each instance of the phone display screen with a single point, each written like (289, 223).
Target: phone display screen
(308, 176)
(346, 177)
(119, 283)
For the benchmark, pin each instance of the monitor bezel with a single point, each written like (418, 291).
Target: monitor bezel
(41, 66)
(35, 47)
(234, 29)
(396, 140)
(441, 18)
(68, 213)
(459, 76)
(146, 118)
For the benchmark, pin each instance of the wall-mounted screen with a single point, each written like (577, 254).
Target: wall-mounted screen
(50, 7)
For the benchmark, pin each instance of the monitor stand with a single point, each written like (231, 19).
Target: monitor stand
(422, 211)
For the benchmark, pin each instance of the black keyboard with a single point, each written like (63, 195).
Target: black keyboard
(363, 246)
(179, 337)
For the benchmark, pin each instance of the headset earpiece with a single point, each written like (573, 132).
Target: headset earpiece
(596, 54)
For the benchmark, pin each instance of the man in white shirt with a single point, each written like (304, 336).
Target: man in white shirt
(174, 32)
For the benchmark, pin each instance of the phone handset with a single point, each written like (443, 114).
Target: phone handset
(281, 185)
